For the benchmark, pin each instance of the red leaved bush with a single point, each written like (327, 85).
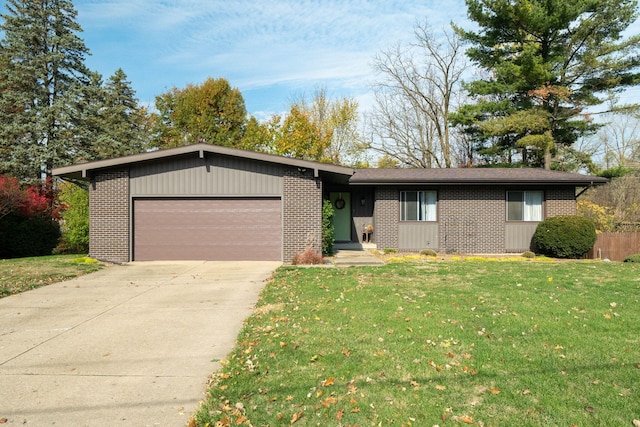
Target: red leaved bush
(34, 200)
(28, 215)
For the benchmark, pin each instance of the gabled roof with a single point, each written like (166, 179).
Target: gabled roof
(467, 176)
(81, 170)
(470, 176)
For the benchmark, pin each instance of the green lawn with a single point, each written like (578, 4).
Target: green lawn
(485, 343)
(21, 274)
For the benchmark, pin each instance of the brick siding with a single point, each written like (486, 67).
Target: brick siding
(386, 217)
(471, 219)
(109, 217)
(560, 201)
(301, 213)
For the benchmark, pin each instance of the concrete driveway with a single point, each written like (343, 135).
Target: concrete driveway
(130, 345)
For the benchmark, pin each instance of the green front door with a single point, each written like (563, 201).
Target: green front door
(342, 216)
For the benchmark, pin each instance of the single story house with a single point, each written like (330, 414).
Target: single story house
(206, 202)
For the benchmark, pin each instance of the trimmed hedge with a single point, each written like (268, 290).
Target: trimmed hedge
(328, 231)
(632, 258)
(569, 236)
(25, 237)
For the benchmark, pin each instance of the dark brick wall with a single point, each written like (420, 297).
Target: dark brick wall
(471, 219)
(301, 213)
(386, 216)
(560, 201)
(109, 217)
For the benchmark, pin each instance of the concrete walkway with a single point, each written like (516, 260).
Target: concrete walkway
(130, 345)
(353, 254)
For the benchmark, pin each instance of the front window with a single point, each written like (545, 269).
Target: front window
(418, 205)
(524, 205)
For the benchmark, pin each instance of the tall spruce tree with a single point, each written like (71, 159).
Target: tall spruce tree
(124, 121)
(41, 70)
(545, 63)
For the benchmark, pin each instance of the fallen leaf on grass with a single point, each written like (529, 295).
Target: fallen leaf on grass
(340, 414)
(636, 423)
(440, 387)
(329, 401)
(296, 417)
(464, 419)
(328, 382)
(494, 390)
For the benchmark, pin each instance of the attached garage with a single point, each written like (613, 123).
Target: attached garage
(225, 229)
(204, 202)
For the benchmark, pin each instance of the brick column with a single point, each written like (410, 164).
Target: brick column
(109, 217)
(386, 216)
(301, 213)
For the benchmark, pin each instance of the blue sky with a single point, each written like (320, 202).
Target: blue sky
(272, 50)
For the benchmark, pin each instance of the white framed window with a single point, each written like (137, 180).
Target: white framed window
(418, 206)
(524, 205)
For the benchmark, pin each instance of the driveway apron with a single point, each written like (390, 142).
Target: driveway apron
(130, 345)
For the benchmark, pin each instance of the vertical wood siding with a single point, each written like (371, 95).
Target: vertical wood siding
(518, 236)
(413, 236)
(211, 176)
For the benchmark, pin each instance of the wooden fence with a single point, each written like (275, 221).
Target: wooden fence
(615, 246)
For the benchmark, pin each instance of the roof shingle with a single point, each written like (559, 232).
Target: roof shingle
(470, 176)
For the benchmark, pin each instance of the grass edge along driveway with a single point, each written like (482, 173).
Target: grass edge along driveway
(425, 343)
(22, 274)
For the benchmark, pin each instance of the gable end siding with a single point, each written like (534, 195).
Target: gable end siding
(211, 176)
(109, 216)
(301, 214)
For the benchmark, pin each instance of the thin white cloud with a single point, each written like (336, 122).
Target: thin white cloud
(253, 44)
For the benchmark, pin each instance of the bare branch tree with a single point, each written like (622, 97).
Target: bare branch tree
(620, 139)
(414, 99)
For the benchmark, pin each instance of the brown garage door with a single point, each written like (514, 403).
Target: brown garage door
(207, 229)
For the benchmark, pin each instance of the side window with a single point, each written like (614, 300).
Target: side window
(418, 206)
(524, 205)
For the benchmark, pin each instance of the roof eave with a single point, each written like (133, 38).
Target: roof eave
(480, 182)
(81, 171)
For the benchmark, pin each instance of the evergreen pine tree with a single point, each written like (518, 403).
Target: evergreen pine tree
(545, 62)
(41, 70)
